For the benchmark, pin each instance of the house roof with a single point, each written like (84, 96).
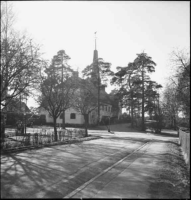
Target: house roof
(16, 106)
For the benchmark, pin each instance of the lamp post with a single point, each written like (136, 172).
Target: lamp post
(25, 116)
(24, 123)
(24, 110)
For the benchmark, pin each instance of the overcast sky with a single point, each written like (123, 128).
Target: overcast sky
(123, 29)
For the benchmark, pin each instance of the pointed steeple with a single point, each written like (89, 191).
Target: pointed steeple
(95, 57)
(95, 69)
(95, 40)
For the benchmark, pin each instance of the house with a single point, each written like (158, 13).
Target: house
(15, 110)
(17, 106)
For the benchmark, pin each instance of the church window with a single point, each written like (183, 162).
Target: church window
(73, 116)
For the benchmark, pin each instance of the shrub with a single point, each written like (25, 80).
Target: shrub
(40, 121)
(153, 125)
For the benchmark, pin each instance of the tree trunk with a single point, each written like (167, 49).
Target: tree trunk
(174, 123)
(98, 104)
(171, 122)
(132, 117)
(63, 120)
(86, 124)
(2, 131)
(55, 128)
(139, 109)
(150, 114)
(143, 101)
(99, 83)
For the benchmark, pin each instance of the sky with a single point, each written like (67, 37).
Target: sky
(124, 29)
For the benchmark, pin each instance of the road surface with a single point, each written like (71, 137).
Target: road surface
(119, 165)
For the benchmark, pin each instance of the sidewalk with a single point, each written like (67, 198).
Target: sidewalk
(135, 181)
(149, 176)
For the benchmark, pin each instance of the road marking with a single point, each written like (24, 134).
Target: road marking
(106, 170)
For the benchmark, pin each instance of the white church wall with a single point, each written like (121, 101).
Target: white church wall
(75, 118)
(79, 119)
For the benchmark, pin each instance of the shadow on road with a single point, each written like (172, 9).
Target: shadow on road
(32, 176)
(118, 128)
(165, 133)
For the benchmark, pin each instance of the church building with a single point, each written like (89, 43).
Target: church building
(109, 107)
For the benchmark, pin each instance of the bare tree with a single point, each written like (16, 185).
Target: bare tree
(85, 100)
(20, 59)
(180, 60)
(57, 90)
(170, 106)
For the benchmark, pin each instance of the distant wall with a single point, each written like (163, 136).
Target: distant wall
(184, 140)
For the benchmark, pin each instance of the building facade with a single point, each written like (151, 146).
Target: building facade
(74, 117)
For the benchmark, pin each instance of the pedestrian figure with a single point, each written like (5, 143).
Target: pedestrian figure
(107, 124)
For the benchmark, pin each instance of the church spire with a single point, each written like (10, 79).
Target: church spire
(95, 40)
(95, 58)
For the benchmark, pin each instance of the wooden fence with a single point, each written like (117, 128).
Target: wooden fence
(184, 141)
(43, 137)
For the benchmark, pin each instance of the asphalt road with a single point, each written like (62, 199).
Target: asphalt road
(117, 165)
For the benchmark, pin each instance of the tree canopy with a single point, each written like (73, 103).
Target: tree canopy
(20, 59)
(135, 86)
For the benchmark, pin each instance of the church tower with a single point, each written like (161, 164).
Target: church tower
(95, 68)
(95, 57)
